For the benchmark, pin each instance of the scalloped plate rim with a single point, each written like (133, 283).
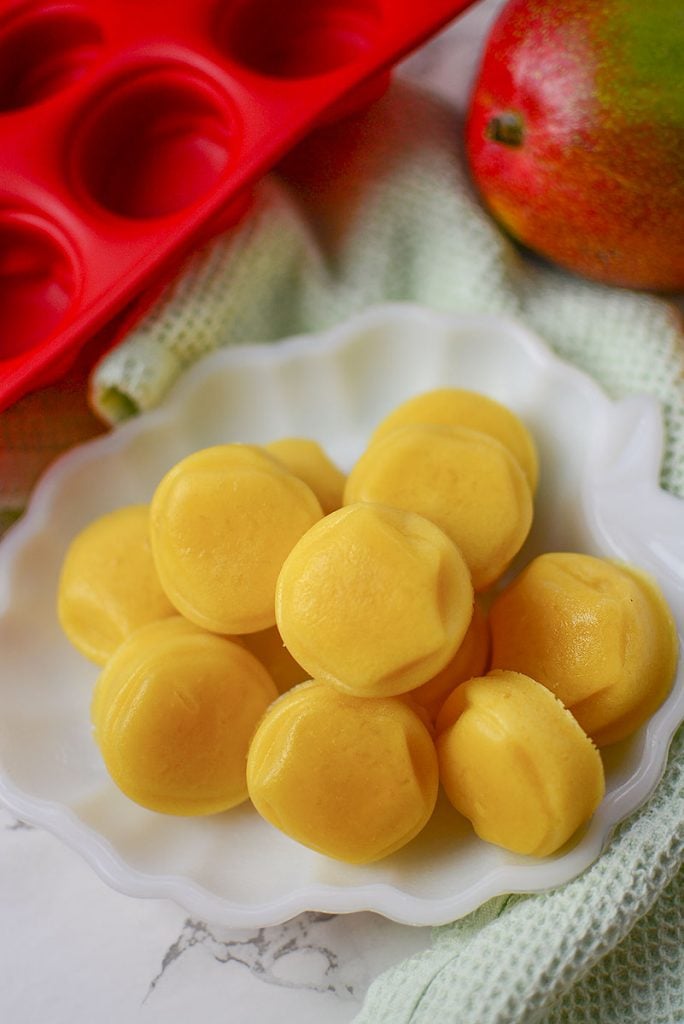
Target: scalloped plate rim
(380, 897)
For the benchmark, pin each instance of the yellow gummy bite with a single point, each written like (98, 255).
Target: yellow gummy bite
(128, 655)
(464, 481)
(174, 711)
(471, 659)
(598, 634)
(374, 600)
(222, 522)
(352, 778)
(516, 763)
(267, 645)
(307, 460)
(456, 407)
(108, 585)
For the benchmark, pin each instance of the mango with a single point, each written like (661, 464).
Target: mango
(574, 135)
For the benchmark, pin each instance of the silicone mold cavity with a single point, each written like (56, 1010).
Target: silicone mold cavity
(44, 52)
(153, 145)
(294, 41)
(138, 128)
(39, 282)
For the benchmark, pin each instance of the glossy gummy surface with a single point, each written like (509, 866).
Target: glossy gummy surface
(598, 493)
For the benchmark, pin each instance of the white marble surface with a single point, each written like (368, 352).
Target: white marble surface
(73, 951)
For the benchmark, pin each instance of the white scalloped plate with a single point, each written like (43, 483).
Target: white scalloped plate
(599, 493)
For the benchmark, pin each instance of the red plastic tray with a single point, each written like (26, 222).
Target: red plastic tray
(129, 129)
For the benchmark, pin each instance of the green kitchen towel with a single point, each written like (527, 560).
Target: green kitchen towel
(378, 209)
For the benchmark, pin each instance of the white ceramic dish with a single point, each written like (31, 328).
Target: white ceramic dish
(599, 493)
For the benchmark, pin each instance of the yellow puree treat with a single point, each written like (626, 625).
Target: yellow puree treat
(159, 631)
(374, 600)
(471, 659)
(307, 460)
(108, 586)
(268, 647)
(349, 777)
(464, 481)
(516, 763)
(598, 634)
(174, 711)
(222, 522)
(456, 407)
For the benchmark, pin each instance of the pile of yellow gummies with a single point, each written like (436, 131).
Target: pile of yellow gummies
(333, 648)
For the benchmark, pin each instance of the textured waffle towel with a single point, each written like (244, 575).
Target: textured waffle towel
(380, 209)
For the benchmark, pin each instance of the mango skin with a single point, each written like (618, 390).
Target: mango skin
(598, 634)
(591, 100)
(350, 777)
(173, 713)
(515, 762)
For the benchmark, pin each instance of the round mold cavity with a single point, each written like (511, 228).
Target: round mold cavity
(39, 282)
(44, 52)
(311, 37)
(154, 144)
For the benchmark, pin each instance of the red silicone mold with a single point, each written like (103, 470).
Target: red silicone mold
(131, 129)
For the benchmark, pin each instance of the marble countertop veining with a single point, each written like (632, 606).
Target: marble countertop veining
(74, 951)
